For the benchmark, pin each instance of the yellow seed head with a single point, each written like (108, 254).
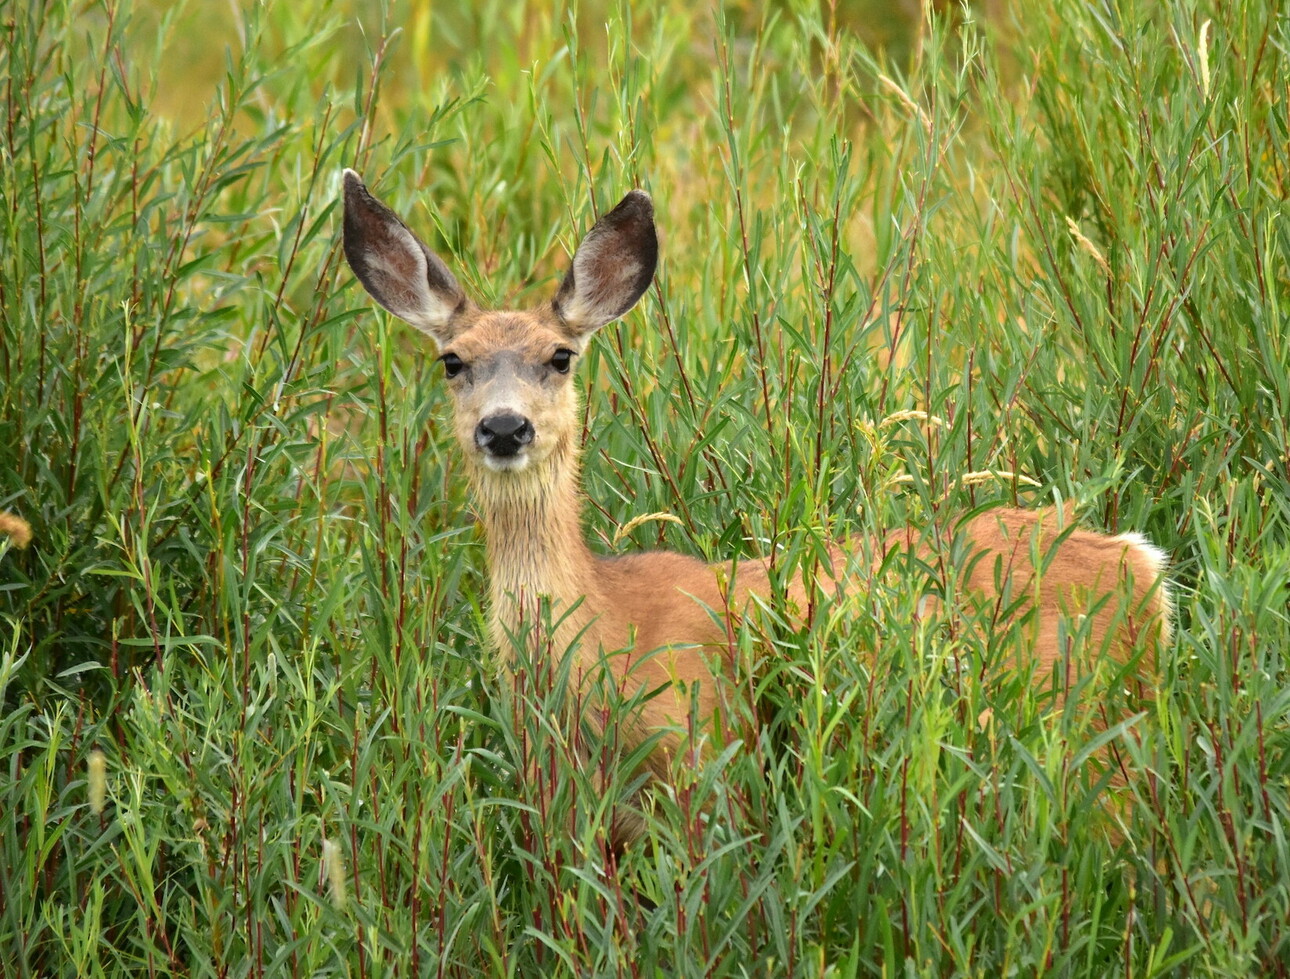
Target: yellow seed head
(635, 522)
(890, 85)
(97, 778)
(988, 475)
(1088, 246)
(1203, 58)
(912, 414)
(335, 867)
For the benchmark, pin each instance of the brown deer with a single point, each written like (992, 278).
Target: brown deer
(670, 616)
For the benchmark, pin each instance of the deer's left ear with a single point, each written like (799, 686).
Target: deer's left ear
(612, 267)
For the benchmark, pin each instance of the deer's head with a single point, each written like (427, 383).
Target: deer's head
(508, 370)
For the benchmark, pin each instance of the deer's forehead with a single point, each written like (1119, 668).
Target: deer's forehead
(508, 336)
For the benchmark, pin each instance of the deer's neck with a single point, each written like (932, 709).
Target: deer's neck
(535, 546)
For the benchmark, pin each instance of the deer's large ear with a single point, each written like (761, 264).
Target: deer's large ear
(612, 267)
(397, 270)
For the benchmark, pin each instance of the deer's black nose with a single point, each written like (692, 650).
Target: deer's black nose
(503, 435)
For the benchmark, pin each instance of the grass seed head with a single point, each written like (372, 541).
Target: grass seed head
(335, 868)
(97, 779)
(635, 522)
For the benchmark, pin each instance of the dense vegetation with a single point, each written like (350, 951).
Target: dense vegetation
(248, 722)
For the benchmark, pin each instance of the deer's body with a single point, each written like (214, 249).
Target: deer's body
(666, 616)
(516, 418)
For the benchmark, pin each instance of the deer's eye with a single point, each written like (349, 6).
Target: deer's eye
(562, 360)
(452, 365)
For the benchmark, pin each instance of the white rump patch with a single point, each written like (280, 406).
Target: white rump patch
(1159, 562)
(1154, 556)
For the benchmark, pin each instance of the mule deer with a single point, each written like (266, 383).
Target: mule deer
(516, 418)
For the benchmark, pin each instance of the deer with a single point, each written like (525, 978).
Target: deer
(670, 617)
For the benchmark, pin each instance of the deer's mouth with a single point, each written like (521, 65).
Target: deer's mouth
(505, 464)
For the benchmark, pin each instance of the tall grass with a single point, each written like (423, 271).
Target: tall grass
(248, 720)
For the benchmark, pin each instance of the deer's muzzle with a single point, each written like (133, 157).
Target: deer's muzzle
(503, 436)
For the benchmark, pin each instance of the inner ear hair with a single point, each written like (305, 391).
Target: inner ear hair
(612, 267)
(395, 266)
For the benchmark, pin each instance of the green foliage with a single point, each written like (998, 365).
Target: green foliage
(1052, 243)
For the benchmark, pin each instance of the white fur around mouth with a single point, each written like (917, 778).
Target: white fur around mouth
(505, 464)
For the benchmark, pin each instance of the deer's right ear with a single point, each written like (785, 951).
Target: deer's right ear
(397, 270)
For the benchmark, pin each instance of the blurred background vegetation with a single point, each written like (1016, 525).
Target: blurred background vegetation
(915, 261)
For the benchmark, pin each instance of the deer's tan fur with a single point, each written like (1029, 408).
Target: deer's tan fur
(671, 614)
